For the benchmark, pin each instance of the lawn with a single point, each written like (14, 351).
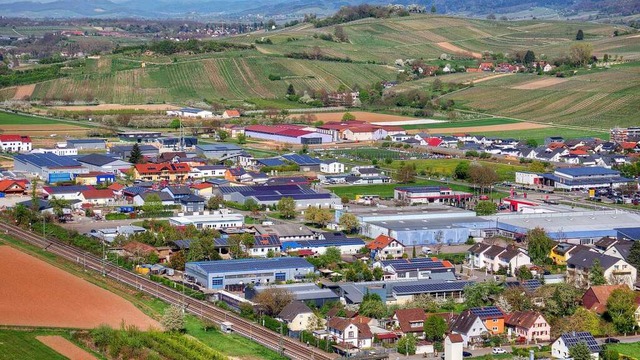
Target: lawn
(24, 345)
(540, 134)
(464, 123)
(386, 190)
(445, 167)
(628, 349)
(7, 118)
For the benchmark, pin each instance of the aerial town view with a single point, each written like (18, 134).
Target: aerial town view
(319, 180)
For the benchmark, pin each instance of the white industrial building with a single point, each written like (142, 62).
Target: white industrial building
(211, 220)
(191, 112)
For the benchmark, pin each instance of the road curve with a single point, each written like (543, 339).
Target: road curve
(291, 348)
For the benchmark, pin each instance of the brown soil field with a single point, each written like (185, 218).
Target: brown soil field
(106, 107)
(477, 129)
(450, 47)
(44, 130)
(35, 293)
(65, 347)
(360, 115)
(24, 91)
(491, 77)
(539, 84)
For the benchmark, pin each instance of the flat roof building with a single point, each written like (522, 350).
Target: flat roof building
(206, 220)
(431, 194)
(584, 178)
(290, 134)
(225, 274)
(82, 144)
(218, 151)
(49, 167)
(269, 195)
(302, 292)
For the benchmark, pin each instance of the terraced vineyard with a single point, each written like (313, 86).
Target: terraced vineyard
(600, 99)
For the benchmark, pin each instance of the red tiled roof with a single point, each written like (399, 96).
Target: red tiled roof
(306, 252)
(524, 319)
(380, 242)
(433, 141)
(116, 187)
(233, 113)
(138, 247)
(577, 152)
(6, 184)
(406, 316)
(14, 138)
(98, 194)
(628, 145)
(201, 186)
(455, 338)
(386, 336)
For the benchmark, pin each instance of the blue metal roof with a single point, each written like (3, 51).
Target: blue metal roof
(47, 160)
(244, 265)
(67, 189)
(270, 162)
(218, 147)
(297, 244)
(302, 159)
(191, 110)
(587, 171)
(630, 233)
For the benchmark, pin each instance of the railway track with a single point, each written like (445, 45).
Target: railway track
(289, 347)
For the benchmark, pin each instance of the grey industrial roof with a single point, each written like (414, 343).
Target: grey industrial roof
(303, 291)
(218, 147)
(97, 159)
(430, 224)
(244, 265)
(587, 171)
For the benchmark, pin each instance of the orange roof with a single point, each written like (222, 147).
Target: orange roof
(555, 145)
(628, 145)
(577, 152)
(380, 242)
(455, 338)
(98, 194)
(158, 168)
(6, 184)
(201, 186)
(233, 113)
(138, 247)
(116, 187)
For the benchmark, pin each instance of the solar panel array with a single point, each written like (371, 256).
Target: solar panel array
(47, 160)
(408, 261)
(275, 192)
(431, 288)
(266, 240)
(244, 265)
(322, 243)
(486, 312)
(574, 338)
(302, 159)
(271, 162)
(418, 266)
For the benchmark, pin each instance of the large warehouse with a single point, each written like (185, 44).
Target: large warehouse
(291, 134)
(270, 195)
(584, 178)
(49, 167)
(431, 194)
(424, 225)
(227, 274)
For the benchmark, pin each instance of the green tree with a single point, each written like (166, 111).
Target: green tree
(173, 319)
(242, 139)
(348, 116)
(273, 300)
(539, 245)
(529, 57)
(175, 124)
(434, 328)
(580, 35)
(152, 204)
(580, 54)
(349, 222)
(433, 9)
(461, 172)
(136, 154)
(596, 274)
(178, 260)
(287, 207)
(621, 307)
(372, 306)
(214, 202)
(320, 217)
(634, 255)
(486, 208)
(560, 299)
(378, 273)
(222, 135)
(58, 205)
(203, 249)
(332, 255)
(340, 34)
(532, 143)
(407, 345)
(580, 351)
(406, 174)
(481, 293)
(537, 167)
(251, 205)
(483, 176)
(291, 90)
(524, 273)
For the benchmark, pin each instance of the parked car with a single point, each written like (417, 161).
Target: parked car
(611, 341)
(498, 350)
(466, 354)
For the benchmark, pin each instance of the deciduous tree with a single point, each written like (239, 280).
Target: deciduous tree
(173, 319)
(287, 207)
(580, 54)
(621, 307)
(406, 174)
(486, 208)
(580, 351)
(349, 222)
(434, 328)
(539, 245)
(273, 300)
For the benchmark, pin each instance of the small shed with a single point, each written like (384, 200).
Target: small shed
(226, 327)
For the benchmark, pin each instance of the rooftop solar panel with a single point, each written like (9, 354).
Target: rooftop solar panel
(244, 265)
(431, 288)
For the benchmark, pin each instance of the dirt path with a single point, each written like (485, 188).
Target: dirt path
(487, 78)
(24, 91)
(480, 129)
(539, 84)
(65, 347)
(450, 47)
(36, 293)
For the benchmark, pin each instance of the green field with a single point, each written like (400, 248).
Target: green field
(464, 123)
(366, 153)
(540, 134)
(445, 167)
(24, 345)
(386, 190)
(7, 118)
(629, 349)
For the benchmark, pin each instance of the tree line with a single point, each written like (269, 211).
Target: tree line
(169, 47)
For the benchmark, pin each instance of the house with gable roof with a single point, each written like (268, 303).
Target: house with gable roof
(297, 315)
(409, 321)
(350, 333)
(384, 246)
(530, 325)
(470, 327)
(596, 297)
(563, 344)
(616, 270)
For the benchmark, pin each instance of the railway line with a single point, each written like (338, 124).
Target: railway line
(289, 347)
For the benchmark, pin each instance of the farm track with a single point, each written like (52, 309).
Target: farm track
(270, 339)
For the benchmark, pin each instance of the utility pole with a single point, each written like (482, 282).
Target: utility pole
(281, 346)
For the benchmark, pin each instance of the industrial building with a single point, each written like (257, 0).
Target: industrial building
(307, 292)
(124, 151)
(431, 194)
(417, 268)
(291, 134)
(306, 162)
(583, 178)
(219, 152)
(49, 167)
(424, 225)
(237, 273)
(402, 291)
(191, 113)
(138, 136)
(269, 195)
(87, 144)
(213, 220)
(99, 162)
(580, 227)
(318, 247)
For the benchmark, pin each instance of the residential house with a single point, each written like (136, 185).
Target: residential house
(97, 197)
(231, 114)
(298, 317)
(264, 245)
(237, 174)
(331, 167)
(66, 192)
(384, 246)
(233, 130)
(207, 171)
(409, 321)
(162, 172)
(453, 347)
(15, 143)
(528, 325)
(494, 257)
(616, 270)
(350, 332)
(177, 192)
(203, 189)
(192, 203)
(140, 198)
(367, 171)
(560, 348)
(470, 327)
(596, 297)
(13, 187)
(137, 251)
(492, 317)
(475, 255)
(614, 247)
(562, 252)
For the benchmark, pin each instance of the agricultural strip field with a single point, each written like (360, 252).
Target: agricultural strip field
(65, 347)
(7, 118)
(362, 116)
(25, 345)
(107, 107)
(597, 99)
(521, 126)
(540, 134)
(461, 124)
(70, 301)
